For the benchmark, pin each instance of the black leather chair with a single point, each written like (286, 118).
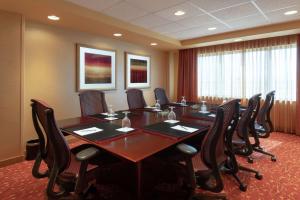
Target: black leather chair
(70, 169)
(263, 125)
(92, 102)
(135, 99)
(160, 95)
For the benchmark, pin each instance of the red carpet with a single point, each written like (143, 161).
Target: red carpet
(281, 179)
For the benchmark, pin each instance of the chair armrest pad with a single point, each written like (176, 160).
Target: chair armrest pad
(87, 154)
(186, 149)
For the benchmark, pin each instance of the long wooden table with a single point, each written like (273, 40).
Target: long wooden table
(139, 144)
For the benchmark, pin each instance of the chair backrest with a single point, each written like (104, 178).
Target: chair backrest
(209, 148)
(135, 99)
(248, 117)
(264, 115)
(231, 117)
(53, 146)
(92, 102)
(160, 95)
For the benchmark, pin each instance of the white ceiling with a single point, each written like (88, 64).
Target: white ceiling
(225, 15)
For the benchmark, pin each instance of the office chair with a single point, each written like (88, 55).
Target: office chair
(92, 102)
(160, 95)
(70, 169)
(263, 125)
(135, 99)
(241, 143)
(241, 136)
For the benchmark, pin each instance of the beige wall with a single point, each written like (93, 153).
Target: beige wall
(173, 74)
(10, 85)
(50, 70)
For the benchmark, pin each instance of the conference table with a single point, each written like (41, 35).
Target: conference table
(151, 133)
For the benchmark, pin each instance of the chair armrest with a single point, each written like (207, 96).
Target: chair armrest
(87, 154)
(186, 149)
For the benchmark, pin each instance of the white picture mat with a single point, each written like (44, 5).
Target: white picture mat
(102, 86)
(137, 85)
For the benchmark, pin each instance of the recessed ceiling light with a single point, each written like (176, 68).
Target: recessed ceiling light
(179, 13)
(291, 12)
(53, 17)
(238, 39)
(153, 43)
(117, 34)
(212, 28)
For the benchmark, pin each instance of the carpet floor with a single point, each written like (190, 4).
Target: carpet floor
(281, 179)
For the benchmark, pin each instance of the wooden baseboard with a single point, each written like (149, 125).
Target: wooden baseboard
(11, 161)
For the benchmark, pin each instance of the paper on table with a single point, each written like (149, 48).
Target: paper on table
(150, 107)
(157, 110)
(184, 128)
(125, 129)
(111, 114)
(111, 118)
(171, 121)
(212, 115)
(88, 131)
(204, 112)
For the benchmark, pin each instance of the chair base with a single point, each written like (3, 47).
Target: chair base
(260, 150)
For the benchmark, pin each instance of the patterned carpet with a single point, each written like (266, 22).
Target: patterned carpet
(281, 179)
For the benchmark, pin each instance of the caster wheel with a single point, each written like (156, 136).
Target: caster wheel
(250, 160)
(258, 176)
(243, 187)
(273, 158)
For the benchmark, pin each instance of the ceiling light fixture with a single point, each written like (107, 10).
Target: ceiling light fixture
(212, 28)
(53, 17)
(117, 34)
(179, 13)
(238, 39)
(153, 43)
(291, 12)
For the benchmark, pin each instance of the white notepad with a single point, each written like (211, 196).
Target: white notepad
(111, 118)
(157, 110)
(125, 129)
(184, 128)
(212, 115)
(171, 121)
(88, 131)
(204, 112)
(114, 114)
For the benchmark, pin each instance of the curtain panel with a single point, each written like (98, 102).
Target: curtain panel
(187, 74)
(285, 113)
(297, 119)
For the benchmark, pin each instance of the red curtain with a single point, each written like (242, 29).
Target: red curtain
(298, 88)
(187, 75)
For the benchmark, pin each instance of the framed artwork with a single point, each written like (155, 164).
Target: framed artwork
(137, 71)
(96, 68)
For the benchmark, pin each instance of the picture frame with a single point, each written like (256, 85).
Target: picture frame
(137, 71)
(96, 68)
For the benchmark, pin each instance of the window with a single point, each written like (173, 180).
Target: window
(241, 74)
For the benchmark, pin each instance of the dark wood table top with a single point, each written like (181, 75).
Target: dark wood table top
(139, 144)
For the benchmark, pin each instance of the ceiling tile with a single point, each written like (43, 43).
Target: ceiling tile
(278, 15)
(236, 12)
(270, 5)
(195, 21)
(150, 21)
(167, 28)
(125, 11)
(97, 5)
(210, 5)
(188, 8)
(154, 5)
(252, 21)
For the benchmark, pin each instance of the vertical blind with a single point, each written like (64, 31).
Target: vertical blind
(243, 72)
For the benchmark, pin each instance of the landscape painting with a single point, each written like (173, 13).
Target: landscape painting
(96, 68)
